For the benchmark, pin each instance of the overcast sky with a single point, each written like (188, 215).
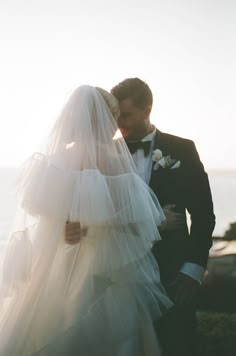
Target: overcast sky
(185, 50)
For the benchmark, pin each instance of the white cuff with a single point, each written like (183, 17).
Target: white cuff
(193, 270)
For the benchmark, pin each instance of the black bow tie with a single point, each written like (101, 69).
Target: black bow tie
(135, 145)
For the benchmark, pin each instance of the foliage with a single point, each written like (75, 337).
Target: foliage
(216, 334)
(230, 234)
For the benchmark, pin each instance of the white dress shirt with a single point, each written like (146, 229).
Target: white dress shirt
(144, 167)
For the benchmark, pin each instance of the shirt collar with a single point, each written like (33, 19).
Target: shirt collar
(150, 136)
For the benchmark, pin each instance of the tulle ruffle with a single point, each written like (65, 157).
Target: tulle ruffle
(104, 288)
(49, 190)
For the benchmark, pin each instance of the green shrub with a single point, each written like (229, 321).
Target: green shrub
(216, 334)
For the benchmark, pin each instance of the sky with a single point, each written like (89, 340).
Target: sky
(185, 50)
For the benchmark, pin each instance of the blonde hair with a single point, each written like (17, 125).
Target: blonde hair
(111, 101)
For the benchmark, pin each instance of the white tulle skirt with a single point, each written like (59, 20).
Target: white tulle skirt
(98, 297)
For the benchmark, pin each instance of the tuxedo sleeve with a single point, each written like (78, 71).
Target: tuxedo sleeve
(200, 207)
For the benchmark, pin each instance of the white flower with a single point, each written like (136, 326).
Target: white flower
(164, 162)
(156, 155)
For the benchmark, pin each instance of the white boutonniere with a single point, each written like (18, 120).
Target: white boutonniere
(164, 162)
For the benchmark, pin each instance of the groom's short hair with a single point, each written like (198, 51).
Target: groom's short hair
(134, 89)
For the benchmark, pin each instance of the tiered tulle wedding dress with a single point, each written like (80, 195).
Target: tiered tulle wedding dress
(100, 296)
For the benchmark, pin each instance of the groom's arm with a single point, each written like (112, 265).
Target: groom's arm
(200, 207)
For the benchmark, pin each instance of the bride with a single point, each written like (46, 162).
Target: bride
(99, 296)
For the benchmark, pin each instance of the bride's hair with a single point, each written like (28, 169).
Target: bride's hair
(111, 101)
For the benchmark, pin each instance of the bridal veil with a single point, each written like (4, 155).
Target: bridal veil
(84, 299)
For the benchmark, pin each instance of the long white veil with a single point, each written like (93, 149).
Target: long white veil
(50, 288)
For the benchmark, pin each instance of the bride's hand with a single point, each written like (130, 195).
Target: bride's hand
(173, 220)
(74, 232)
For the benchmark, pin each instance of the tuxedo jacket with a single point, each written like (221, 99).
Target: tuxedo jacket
(188, 188)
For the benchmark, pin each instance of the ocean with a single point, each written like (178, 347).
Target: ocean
(223, 186)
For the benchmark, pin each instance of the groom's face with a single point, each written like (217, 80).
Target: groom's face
(132, 120)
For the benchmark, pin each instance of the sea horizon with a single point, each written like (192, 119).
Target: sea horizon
(216, 169)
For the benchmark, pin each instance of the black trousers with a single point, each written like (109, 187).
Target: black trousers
(176, 332)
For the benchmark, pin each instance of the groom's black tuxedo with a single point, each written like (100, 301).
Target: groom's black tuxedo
(188, 188)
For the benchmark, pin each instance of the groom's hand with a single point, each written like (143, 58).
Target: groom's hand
(184, 290)
(74, 232)
(173, 220)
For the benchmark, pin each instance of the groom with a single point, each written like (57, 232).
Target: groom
(172, 168)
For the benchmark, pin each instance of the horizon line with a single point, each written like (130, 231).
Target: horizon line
(208, 170)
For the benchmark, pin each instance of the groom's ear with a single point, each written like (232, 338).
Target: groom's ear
(147, 111)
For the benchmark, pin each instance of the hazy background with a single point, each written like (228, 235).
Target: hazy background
(185, 50)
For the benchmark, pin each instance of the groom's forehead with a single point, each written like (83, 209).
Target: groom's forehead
(127, 105)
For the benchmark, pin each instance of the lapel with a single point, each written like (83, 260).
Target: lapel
(161, 142)
(161, 181)
(158, 144)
